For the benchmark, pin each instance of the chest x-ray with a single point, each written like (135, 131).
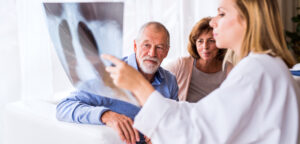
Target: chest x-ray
(80, 32)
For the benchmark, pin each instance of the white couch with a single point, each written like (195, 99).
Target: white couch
(35, 123)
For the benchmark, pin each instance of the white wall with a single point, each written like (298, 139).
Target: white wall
(9, 56)
(42, 74)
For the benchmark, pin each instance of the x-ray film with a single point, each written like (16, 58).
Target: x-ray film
(80, 32)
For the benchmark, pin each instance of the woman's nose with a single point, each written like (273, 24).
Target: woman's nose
(212, 22)
(205, 45)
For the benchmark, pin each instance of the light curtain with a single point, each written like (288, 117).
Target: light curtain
(9, 58)
(41, 72)
(9, 55)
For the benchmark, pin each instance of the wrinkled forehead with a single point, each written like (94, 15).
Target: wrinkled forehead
(153, 32)
(157, 37)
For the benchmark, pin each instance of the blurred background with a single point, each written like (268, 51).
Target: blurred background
(30, 69)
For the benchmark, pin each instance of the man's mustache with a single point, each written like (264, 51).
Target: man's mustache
(151, 58)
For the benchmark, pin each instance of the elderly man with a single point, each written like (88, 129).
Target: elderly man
(151, 47)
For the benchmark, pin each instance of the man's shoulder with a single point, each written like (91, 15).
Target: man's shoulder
(169, 81)
(167, 74)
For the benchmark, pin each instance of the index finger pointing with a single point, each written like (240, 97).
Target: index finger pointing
(111, 58)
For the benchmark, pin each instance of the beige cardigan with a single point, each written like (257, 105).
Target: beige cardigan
(182, 69)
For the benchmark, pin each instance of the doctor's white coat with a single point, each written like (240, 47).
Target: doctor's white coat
(257, 103)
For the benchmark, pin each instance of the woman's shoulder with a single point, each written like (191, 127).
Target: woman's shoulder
(227, 67)
(178, 63)
(261, 61)
(250, 64)
(262, 65)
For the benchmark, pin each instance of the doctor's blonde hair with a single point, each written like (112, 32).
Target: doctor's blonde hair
(264, 30)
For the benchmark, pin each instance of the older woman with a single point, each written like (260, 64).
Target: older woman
(200, 73)
(257, 103)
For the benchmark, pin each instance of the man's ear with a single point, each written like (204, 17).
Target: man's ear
(134, 41)
(167, 51)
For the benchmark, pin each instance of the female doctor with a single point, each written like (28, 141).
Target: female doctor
(255, 104)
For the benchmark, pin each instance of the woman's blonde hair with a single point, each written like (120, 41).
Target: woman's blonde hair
(264, 30)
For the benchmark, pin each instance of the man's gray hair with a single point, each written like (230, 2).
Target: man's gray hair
(158, 26)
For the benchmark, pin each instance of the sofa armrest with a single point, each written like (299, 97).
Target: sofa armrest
(35, 123)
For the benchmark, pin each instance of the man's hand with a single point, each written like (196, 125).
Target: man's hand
(122, 124)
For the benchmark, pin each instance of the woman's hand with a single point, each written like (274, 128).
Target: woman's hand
(125, 76)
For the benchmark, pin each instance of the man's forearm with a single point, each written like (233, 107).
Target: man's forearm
(71, 110)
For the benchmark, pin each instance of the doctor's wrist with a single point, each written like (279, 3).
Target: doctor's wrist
(142, 93)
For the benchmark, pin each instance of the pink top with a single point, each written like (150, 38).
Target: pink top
(182, 69)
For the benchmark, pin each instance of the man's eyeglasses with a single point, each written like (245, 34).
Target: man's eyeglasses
(158, 48)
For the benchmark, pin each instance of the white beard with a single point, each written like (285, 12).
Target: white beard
(149, 68)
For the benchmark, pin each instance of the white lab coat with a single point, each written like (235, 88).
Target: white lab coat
(257, 103)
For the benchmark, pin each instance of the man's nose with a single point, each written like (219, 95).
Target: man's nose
(152, 51)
